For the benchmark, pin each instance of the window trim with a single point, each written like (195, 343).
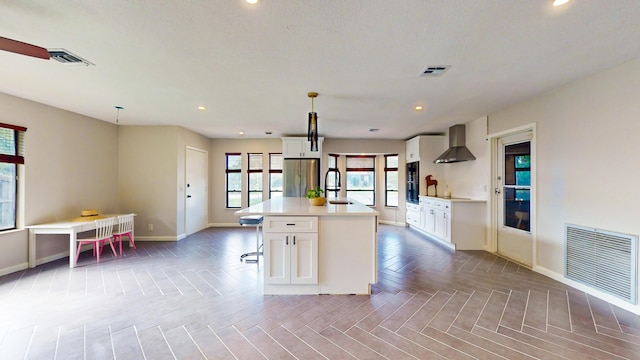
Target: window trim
(254, 171)
(373, 169)
(232, 171)
(274, 171)
(16, 159)
(387, 170)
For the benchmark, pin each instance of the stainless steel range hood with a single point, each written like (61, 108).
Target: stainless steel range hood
(457, 150)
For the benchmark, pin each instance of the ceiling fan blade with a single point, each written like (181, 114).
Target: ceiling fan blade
(19, 47)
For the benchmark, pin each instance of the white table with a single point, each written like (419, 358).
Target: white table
(71, 228)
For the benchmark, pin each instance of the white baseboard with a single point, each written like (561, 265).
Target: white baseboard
(159, 238)
(394, 223)
(589, 290)
(235, 224)
(14, 268)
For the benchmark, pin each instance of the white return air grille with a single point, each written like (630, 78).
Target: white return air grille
(602, 259)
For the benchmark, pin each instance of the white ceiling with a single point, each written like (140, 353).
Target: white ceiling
(252, 66)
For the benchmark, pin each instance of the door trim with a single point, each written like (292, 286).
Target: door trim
(493, 139)
(184, 189)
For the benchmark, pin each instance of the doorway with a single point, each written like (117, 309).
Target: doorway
(196, 192)
(514, 199)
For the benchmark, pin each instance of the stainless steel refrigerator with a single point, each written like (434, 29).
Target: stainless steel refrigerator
(300, 175)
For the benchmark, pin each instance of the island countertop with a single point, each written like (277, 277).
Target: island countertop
(299, 206)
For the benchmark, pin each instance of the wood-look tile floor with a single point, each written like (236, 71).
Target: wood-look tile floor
(194, 299)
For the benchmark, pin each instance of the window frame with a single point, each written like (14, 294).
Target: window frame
(14, 159)
(360, 169)
(387, 171)
(227, 173)
(273, 171)
(250, 172)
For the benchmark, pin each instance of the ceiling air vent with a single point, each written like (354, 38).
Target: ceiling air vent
(437, 70)
(67, 57)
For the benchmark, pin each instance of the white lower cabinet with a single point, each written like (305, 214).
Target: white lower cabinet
(458, 224)
(413, 214)
(291, 250)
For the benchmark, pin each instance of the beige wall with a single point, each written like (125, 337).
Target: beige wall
(71, 163)
(587, 151)
(152, 167)
(470, 179)
(219, 215)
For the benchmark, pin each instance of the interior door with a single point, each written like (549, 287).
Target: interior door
(196, 202)
(514, 182)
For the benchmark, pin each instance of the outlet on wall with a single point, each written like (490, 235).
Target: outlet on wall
(150, 227)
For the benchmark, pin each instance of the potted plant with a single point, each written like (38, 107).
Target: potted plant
(315, 196)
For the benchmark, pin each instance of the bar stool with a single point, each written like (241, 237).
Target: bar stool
(255, 220)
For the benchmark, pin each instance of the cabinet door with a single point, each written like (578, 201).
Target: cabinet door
(300, 147)
(430, 220)
(441, 222)
(277, 258)
(304, 258)
(413, 150)
(292, 148)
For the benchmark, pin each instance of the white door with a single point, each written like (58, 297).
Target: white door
(514, 186)
(196, 193)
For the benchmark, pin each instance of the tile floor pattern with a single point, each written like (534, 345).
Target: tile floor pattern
(193, 299)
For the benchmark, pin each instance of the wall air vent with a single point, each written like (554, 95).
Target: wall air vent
(436, 70)
(67, 57)
(603, 260)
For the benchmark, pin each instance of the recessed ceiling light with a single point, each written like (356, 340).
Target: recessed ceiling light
(252, 2)
(559, 2)
(202, 108)
(240, 132)
(418, 107)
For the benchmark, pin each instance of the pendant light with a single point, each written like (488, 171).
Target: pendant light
(118, 108)
(312, 132)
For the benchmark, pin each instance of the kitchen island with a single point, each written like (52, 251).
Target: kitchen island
(330, 249)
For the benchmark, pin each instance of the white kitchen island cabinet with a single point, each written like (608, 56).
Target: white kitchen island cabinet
(335, 249)
(291, 250)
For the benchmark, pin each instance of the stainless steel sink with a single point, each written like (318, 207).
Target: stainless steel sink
(340, 202)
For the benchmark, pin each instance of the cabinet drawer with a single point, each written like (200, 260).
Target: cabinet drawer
(413, 207)
(290, 224)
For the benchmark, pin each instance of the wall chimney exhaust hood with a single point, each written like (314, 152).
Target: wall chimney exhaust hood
(457, 150)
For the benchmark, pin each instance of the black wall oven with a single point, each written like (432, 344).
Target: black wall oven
(413, 183)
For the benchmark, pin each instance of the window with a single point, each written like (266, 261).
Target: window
(11, 155)
(275, 176)
(255, 178)
(391, 180)
(517, 185)
(234, 180)
(361, 179)
(332, 179)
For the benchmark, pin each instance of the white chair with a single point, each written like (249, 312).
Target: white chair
(104, 232)
(125, 228)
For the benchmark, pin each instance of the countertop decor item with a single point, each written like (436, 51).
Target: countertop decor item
(315, 196)
(431, 182)
(88, 215)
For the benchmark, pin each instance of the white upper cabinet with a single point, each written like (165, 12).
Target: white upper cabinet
(413, 149)
(300, 147)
